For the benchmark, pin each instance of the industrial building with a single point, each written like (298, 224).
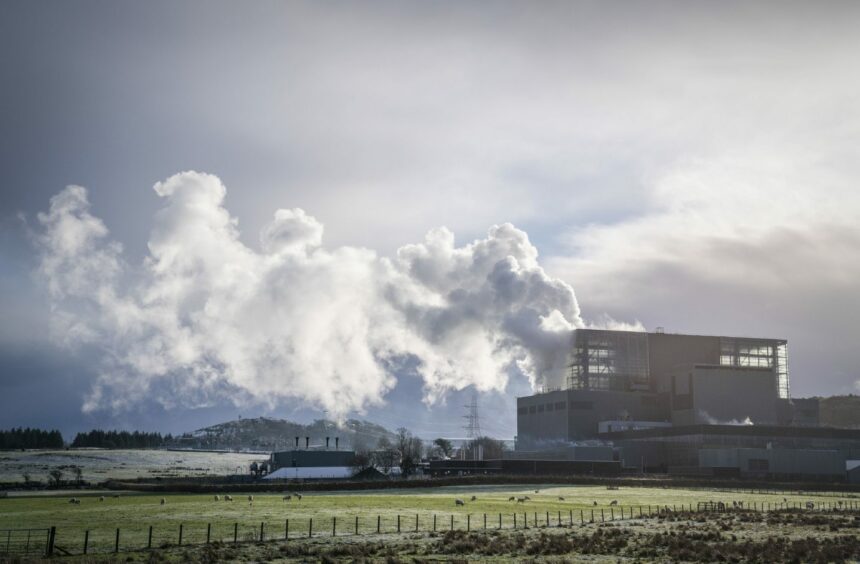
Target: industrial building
(686, 404)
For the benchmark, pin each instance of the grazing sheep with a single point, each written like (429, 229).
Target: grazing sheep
(594, 503)
(228, 498)
(527, 498)
(537, 491)
(560, 498)
(250, 498)
(288, 497)
(613, 502)
(72, 500)
(101, 498)
(459, 502)
(163, 501)
(474, 498)
(298, 496)
(512, 498)
(521, 500)
(217, 498)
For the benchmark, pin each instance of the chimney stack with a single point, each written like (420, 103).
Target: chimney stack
(307, 442)
(336, 443)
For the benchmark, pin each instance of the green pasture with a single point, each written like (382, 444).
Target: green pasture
(133, 514)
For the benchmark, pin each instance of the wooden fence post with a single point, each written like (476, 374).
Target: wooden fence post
(208, 532)
(398, 522)
(378, 523)
(334, 526)
(235, 532)
(87, 538)
(416, 522)
(262, 534)
(51, 536)
(116, 543)
(452, 521)
(180, 534)
(310, 527)
(356, 524)
(287, 530)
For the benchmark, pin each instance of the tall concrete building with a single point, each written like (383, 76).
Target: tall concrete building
(624, 380)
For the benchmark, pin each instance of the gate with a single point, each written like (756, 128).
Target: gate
(27, 541)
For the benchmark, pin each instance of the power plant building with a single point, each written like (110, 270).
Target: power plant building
(685, 403)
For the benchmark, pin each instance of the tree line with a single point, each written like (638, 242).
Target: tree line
(30, 438)
(98, 438)
(406, 452)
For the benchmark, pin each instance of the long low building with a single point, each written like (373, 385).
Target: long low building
(803, 453)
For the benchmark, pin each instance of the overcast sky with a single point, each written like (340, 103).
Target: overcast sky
(690, 165)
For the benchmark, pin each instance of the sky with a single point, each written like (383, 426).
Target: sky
(374, 209)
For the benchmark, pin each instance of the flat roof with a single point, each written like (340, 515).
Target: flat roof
(737, 430)
(665, 333)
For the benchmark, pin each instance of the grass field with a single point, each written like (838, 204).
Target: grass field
(98, 465)
(134, 514)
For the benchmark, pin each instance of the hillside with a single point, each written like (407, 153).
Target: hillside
(840, 411)
(264, 433)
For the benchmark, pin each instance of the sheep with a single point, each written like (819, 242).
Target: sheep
(250, 498)
(72, 500)
(163, 501)
(474, 498)
(228, 498)
(116, 495)
(101, 498)
(810, 505)
(512, 498)
(298, 496)
(594, 503)
(613, 502)
(560, 498)
(537, 491)
(217, 498)
(459, 502)
(521, 500)
(288, 497)
(527, 498)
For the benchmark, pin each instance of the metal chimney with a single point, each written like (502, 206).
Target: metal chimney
(307, 442)
(326, 442)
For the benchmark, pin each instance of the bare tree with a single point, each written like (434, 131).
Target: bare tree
(385, 455)
(410, 450)
(56, 475)
(26, 476)
(79, 474)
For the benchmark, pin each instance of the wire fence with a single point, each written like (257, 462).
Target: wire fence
(42, 541)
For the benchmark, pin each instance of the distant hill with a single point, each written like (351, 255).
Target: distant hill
(840, 411)
(264, 433)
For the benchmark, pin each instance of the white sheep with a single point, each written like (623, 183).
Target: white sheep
(459, 502)
(474, 498)
(217, 498)
(101, 498)
(613, 502)
(288, 497)
(512, 498)
(228, 498)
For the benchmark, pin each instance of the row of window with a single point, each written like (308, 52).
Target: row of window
(557, 406)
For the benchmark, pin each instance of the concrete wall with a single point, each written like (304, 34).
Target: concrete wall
(667, 352)
(570, 415)
(755, 461)
(722, 394)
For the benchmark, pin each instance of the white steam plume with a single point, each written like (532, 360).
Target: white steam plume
(206, 317)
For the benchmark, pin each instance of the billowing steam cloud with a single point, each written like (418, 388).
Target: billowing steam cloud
(206, 317)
